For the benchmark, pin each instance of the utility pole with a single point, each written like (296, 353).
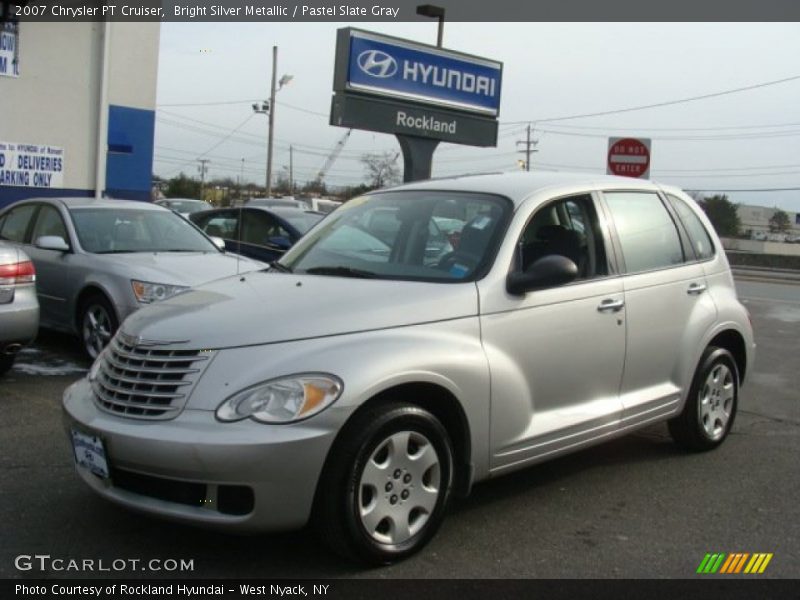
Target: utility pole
(291, 172)
(271, 119)
(202, 168)
(530, 147)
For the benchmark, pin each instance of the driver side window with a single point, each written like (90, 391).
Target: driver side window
(568, 227)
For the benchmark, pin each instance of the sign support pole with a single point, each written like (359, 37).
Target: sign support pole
(417, 156)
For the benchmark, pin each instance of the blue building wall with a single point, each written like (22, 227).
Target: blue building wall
(129, 169)
(129, 160)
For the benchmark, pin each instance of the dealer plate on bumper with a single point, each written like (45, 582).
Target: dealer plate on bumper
(90, 453)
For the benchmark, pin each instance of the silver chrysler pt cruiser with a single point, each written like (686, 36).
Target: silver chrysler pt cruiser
(418, 340)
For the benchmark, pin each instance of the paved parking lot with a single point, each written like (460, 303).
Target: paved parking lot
(636, 507)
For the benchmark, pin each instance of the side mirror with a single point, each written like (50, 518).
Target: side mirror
(548, 271)
(52, 242)
(218, 242)
(280, 242)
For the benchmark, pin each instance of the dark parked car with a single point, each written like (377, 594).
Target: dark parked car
(257, 232)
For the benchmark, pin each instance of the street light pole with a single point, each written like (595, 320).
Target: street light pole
(271, 120)
(434, 12)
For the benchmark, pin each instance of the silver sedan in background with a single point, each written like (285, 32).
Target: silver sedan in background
(99, 260)
(19, 309)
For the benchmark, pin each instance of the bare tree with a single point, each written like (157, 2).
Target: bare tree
(382, 169)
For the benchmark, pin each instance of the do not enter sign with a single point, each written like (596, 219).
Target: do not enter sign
(629, 157)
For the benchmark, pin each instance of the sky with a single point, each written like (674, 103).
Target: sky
(211, 73)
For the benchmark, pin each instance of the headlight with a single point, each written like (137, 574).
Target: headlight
(283, 400)
(147, 292)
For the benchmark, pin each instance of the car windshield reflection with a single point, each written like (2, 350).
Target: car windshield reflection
(103, 231)
(419, 236)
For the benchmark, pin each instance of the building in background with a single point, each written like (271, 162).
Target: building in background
(77, 109)
(754, 220)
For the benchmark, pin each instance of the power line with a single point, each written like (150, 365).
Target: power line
(220, 103)
(257, 139)
(706, 138)
(661, 104)
(791, 189)
(641, 129)
(218, 144)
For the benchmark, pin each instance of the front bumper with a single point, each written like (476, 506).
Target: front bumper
(190, 467)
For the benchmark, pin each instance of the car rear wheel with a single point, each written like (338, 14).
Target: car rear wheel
(386, 486)
(711, 405)
(98, 323)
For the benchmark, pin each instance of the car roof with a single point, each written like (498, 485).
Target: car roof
(105, 203)
(287, 211)
(518, 186)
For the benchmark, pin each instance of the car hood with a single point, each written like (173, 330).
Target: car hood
(271, 307)
(181, 268)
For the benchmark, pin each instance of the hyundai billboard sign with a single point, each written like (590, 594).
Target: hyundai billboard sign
(377, 64)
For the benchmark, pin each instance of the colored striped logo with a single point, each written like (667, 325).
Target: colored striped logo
(731, 564)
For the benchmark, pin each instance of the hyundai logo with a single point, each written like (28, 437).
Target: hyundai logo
(377, 63)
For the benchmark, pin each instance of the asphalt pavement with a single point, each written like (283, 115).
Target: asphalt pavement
(635, 508)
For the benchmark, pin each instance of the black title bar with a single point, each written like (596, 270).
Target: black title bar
(403, 10)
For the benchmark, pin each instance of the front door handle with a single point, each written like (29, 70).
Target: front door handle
(696, 288)
(610, 305)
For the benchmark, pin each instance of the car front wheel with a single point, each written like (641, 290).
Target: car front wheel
(387, 484)
(98, 323)
(711, 405)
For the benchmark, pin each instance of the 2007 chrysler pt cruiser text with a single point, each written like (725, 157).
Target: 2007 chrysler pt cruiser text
(414, 342)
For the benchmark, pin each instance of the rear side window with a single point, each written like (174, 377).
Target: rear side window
(698, 235)
(16, 223)
(49, 222)
(647, 234)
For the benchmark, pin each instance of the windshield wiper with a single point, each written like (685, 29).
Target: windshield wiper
(342, 271)
(279, 267)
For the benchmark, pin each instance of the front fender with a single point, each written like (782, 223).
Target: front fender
(446, 353)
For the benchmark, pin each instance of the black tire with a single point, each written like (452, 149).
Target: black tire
(702, 425)
(341, 493)
(6, 360)
(96, 305)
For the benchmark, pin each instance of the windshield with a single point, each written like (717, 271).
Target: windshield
(397, 235)
(111, 230)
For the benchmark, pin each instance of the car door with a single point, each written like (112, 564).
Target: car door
(668, 309)
(55, 281)
(556, 354)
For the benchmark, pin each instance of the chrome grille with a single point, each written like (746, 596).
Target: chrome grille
(143, 381)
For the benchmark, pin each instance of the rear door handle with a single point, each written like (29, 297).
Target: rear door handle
(696, 288)
(610, 305)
